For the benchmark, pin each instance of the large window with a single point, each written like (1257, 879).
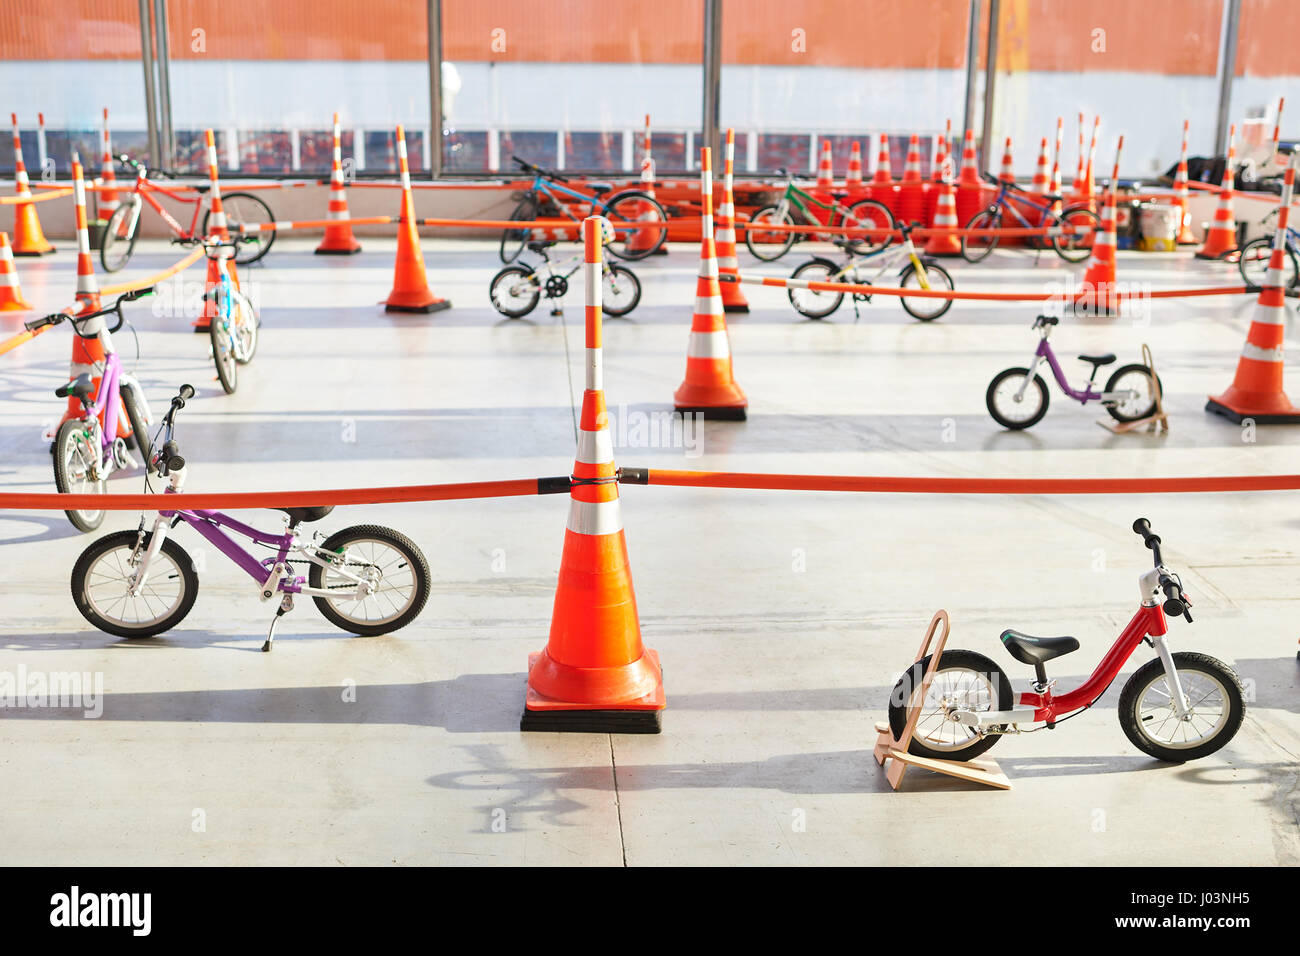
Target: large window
(1142, 67)
(567, 83)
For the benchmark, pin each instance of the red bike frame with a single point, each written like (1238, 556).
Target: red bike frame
(144, 186)
(1148, 621)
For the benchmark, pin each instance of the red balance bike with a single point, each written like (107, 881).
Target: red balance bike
(1178, 707)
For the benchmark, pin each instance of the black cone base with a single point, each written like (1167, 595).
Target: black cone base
(422, 309)
(592, 721)
(732, 414)
(1264, 419)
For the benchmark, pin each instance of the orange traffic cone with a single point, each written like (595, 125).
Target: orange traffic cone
(1054, 182)
(825, 169)
(1098, 294)
(219, 227)
(1077, 184)
(29, 240)
(970, 189)
(338, 240)
(1256, 390)
(1182, 197)
(87, 352)
(883, 176)
(710, 387)
(1042, 182)
(11, 294)
(1085, 189)
(733, 300)
(1221, 237)
(595, 675)
(107, 202)
(410, 284)
(646, 238)
(1007, 175)
(945, 217)
(937, 173)
(853, 178)
(911, 193)
(1277, 131)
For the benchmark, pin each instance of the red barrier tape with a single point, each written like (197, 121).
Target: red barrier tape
(959, 486)
(25, 200)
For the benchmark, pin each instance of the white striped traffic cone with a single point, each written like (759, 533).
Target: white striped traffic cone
(218, 227)
(107, 202)
(825, 169)
(1182, 197)
(410, 292)
(1054, 182)
(595, 675)
(87, 352)
(1221, 237)
(733, 300)
(1098, 294)
(647, 237)
(853, 178)
(11, 294)
(1042, 182)
(1008, 173)
(339, 240)
(28, 239)
(710, 387)
(1256, 390)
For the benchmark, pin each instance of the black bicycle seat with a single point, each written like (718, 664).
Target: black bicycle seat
(537, 245)
(201, 187)
(600, 188)
(1037, 650)
(83, 386)
(314, 513)
(1099, 360)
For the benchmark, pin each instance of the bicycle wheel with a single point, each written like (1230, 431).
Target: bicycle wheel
(249, 209)
(223, 354)
(636, 208)
(977, 248)
(1254, 260)
(620, 291)
(1076, 246)
(117, 244)
(964, 680)
(769, 246)
(1215, 700)
(514, 291)
(76, 459)
(872, 215)
(102, 574)
(135, 414)
(1011, 411)
(808, 302)
(395, 572)
(244, 323)
(1137, 379)
(926, 309)
(512, 240)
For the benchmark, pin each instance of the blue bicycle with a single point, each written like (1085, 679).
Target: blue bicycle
(632, 207)
(1074, 246)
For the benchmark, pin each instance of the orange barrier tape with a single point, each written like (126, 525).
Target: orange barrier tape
(11, 343)
(1270, 198)
(25, 200)
(134, 284)
(515, 488)
(1067, 294)
(920, 233)
(313, 224)
(957, 486)
(524, 224)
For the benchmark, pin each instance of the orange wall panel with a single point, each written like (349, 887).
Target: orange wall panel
(1267, 37)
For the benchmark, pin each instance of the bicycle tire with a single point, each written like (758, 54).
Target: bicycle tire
(110, 239)
(247, 327)
(1250, 257)
(626, 275)
(419, 568)
(175, 553)
(234, 205)
(81, 520)
(133, 404)
(799, 298)
(1061, 244)
(619, 247)
(223, 355)
(931, 268)
(954, 659)
(525, 306)
(771, 250)
(880, 216)
(990, 218)
(513, 240)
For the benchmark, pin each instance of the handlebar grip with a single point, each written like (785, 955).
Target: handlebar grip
(1142, 526)
(31, 325)
(186, 392)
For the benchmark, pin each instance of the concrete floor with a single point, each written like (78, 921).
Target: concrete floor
(782, 618)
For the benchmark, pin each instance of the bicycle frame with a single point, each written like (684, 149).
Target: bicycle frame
(802, 199)
(142, 189)
(890, 254)
(107, 406)
(541, 184)
(1044, 352)
(1006, 199)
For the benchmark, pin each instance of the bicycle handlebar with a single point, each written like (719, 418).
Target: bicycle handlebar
(526, 166)
(169, 459)
(1176, 602)
(54, 318)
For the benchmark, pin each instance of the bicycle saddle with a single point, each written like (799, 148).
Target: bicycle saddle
(1037, 650)
(314, 513)
(537, 245)
(82, 387)
(600, 188)
(201, 187)
(1098, 360)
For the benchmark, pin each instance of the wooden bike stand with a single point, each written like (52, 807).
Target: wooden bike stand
(888, 747)
(1157, 422)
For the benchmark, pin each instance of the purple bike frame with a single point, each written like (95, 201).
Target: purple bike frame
(210, 523)
(108, 401)
(1044, 350)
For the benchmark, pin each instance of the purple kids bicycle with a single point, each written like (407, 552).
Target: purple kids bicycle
(87, 448)
(1017, 397)
(366, 579)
